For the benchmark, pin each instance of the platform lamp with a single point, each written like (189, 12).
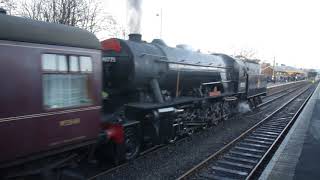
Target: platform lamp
(160, 15)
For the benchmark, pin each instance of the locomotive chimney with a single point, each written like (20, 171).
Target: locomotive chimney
(3, 11)
(135, 37)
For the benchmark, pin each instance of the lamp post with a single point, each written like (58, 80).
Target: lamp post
(273, 72)
(160, 14)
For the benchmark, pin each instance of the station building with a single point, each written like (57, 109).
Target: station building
(283, 73)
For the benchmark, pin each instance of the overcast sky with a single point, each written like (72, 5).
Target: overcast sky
(285, 29)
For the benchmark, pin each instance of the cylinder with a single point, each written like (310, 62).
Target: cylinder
(156, 90)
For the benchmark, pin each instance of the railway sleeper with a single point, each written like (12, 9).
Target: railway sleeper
(247, 145)
(283, 124)
(261, 138)
(266, 132)
(278, 122)
(251, 154)
(274, 125)
(248, 154)
(270, 129)
(206, 175)
(233, 166)
(261, 134)
(258, 141)
(254, 144)
(249, 149)
(228, 172)
(230, 157)
(241, 165)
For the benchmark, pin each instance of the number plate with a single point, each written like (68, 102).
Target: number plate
(109, 59)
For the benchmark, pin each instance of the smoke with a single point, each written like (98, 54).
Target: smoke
(135, 13)
(243, 107)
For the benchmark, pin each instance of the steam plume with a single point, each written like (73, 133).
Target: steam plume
(134, 12)
(243, 107)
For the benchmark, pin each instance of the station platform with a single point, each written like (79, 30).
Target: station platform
(298, 157)
(272, 85)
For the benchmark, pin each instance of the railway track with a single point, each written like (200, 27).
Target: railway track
(154, 149)
(273, 90)
(245, 156)
(279, 94)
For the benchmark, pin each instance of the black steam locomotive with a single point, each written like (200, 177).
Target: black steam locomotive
(158, 93)
(152, 94)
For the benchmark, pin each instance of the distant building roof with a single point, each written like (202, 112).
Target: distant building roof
(288, 69)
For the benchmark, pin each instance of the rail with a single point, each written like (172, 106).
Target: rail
(246, 154)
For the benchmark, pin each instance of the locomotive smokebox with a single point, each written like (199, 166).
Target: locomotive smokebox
(135, 37)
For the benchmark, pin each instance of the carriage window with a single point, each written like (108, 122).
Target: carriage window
(85, 64)
(62, 63)
(53, 62)
(49, 62)
(63, 84)
(65, 90)
(74, 64)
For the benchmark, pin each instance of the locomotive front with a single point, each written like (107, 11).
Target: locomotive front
(130, 64)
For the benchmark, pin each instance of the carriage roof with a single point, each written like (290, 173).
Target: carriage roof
(32, 31)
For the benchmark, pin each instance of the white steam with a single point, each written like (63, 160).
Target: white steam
(243, 107)
(134, 13)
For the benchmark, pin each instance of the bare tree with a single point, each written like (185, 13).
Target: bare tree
(86, 14)
(245, 54)
(113, 29)
(9, 5)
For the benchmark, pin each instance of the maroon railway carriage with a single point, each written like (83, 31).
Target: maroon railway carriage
(50, 93)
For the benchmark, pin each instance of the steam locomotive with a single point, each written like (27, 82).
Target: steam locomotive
(159, 93)
(52, 113)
